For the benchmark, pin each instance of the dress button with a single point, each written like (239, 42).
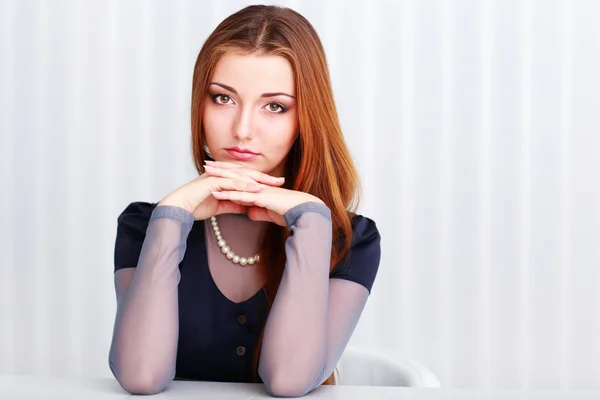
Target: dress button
(240, 350)
(241, 319)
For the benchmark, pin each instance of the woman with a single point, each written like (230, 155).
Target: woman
(258, 269)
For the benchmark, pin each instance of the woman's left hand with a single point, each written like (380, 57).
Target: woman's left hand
(270, 204)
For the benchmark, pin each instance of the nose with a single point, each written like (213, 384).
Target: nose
(243, 128)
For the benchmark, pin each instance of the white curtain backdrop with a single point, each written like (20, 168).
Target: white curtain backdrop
(475, 125)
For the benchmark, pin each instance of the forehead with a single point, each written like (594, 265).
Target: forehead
(255, 74)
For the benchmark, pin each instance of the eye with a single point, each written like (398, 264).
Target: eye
(220, 98)
(276, 108)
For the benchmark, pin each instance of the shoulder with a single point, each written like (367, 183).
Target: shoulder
(132, 223)
(364, 231)
(136, 216)
(361, 263)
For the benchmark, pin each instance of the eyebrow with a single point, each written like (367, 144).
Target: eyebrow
(273, 94)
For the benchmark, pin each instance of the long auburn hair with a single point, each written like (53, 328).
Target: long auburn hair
(319, 162)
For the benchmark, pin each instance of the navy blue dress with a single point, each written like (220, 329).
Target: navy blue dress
(217, 337)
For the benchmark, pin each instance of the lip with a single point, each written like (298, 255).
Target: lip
(241, 154)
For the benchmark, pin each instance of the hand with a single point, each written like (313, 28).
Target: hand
(195, 196)
(268, 204)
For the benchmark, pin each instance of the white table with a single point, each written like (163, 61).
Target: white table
(36, 387)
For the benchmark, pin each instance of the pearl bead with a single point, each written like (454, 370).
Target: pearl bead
(226, 250)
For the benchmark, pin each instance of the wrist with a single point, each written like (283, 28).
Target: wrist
(319, 207)
(170, 201)
(170, 211)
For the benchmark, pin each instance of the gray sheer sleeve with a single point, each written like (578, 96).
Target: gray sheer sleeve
(144, 343)
(312, 317)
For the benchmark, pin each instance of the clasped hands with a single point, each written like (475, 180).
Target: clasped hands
(266, 200)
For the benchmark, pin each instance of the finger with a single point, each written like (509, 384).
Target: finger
(227, 173)
(229, 207)
(243, 203)
(263, 214)
(235, 166)
(236, 196)
(228, 184)
(224, 164)
(256, 176)
(259, 214)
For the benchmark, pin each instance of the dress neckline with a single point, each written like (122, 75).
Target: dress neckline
(203, 229)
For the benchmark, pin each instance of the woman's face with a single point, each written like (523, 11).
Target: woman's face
(250, 112)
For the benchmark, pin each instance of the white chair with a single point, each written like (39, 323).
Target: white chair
(362, 367)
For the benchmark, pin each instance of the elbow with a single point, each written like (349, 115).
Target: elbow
(140, 382)
(145, 385)
(285, 387)
(289, 384)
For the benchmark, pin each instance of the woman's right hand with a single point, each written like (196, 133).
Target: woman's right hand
(195, 196)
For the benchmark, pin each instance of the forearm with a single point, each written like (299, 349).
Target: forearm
(294, 346)
(144, 345)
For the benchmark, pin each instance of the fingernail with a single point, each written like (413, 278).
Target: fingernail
(278, 179)
(208, 167)
(209, 162)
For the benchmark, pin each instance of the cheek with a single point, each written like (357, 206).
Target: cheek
(280, 133)
(215, 123)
